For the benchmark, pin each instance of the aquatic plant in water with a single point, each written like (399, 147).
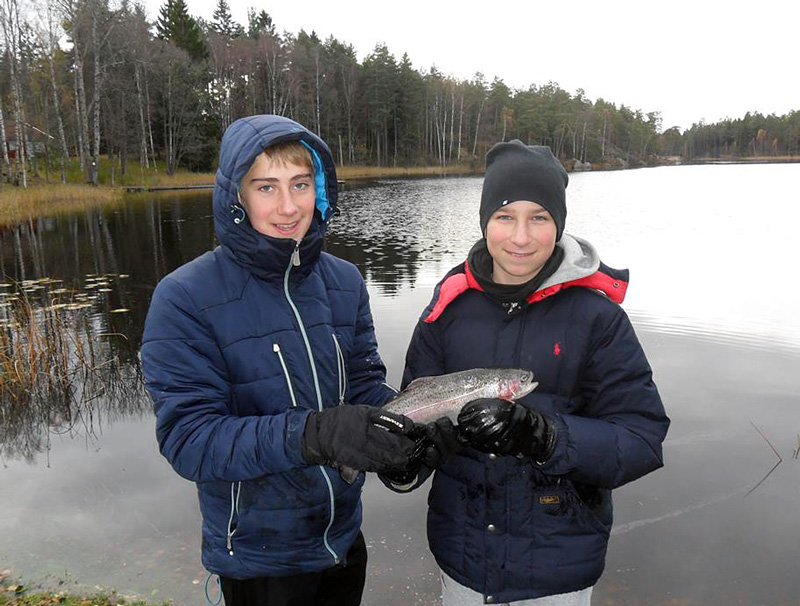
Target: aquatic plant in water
(59, 369)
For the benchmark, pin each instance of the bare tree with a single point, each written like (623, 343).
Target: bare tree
(4, 143)
(9, 15)
(143, 160)
(49, 35)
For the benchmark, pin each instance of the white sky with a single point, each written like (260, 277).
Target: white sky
(690, 60)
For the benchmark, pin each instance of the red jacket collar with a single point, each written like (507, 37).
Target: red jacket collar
(459, 283)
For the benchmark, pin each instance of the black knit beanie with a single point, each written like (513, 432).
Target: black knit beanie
(515, 171)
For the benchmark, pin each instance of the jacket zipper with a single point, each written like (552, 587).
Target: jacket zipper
(277, 349)
(294, 262)
(234, 512)
(342, 370)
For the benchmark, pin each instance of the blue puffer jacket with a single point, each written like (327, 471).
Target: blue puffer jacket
(509, 527)
(239, 346)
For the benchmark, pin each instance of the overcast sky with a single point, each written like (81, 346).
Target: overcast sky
(690, 60)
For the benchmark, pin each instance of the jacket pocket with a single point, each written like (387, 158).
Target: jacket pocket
(233, 518)
(341, 369)
(277, 349)
(560, 511)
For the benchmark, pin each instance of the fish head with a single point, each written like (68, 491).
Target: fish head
(514, 383)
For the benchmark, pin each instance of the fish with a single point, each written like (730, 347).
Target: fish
(430, 398)
(427, 399)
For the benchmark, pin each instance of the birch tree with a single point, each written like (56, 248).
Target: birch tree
(49, 32)
(9, 15)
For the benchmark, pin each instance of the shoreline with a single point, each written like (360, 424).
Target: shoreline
(48, 199)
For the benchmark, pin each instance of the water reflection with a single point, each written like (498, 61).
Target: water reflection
(724, 349)
(64, 368)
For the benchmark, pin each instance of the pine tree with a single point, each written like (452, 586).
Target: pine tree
(178, 26)
(259, 23)
(222, 21)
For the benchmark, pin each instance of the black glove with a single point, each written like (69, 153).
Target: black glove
(365, 438)
(505, 428)
(434, 442)
(442, 438)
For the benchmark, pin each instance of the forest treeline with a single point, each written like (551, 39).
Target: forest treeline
(85, 78)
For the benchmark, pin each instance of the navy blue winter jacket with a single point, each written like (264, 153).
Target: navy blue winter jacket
(239, 346)
(509, 527)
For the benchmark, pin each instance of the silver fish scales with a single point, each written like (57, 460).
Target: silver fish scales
(429, 398)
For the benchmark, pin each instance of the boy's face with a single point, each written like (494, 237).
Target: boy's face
(521, 237)
(279, 198)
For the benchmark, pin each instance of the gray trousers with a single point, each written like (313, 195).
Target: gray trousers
(455, 594)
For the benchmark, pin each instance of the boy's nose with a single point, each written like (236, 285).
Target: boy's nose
(286, 205)
(520, 236)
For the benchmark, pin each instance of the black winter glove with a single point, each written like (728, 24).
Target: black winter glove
(442, 439)
(505, 428)
(364, 438)
(434, 442)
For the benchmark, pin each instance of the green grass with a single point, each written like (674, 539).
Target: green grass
(14, 592)
(61, 598)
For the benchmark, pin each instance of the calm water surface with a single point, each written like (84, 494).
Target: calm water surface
(710, 250)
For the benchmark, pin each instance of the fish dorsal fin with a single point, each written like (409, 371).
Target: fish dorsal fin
(417, 383)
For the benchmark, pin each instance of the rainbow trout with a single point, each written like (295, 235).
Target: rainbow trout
(430, 398)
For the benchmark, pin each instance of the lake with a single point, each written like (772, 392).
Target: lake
(88, 501)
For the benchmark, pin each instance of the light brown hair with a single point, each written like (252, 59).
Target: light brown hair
(289, 152)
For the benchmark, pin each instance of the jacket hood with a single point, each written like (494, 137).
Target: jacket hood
(245, 139)
(580, 260)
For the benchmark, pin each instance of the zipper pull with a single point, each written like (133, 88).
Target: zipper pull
(296, 255)
(229, 545)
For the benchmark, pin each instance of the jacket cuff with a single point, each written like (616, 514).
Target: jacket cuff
(295, 430)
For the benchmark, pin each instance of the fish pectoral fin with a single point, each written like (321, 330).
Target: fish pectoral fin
(417, 383)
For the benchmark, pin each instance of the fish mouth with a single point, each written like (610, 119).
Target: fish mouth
(526, 385)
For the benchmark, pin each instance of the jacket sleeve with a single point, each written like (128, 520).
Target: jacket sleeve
(187, 379)
(366, 371)
(616, 436)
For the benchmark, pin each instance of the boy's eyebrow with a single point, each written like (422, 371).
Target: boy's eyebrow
(535, 212)
(275, 179)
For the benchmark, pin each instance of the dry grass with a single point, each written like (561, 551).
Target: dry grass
(178, 179)
(377, 172)
(17, 204)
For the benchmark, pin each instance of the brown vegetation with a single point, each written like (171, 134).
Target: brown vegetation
(17, 204)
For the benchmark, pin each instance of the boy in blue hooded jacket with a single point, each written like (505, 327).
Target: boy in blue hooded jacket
(261, 359)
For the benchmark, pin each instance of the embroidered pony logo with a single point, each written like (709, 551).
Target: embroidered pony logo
(556, 348)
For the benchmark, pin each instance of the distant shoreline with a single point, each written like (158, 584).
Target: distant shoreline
(746, 160)
(47, 199)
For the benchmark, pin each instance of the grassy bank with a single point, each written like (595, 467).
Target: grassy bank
(47, 598)
(14, 592)
(45, 198)
(17, 204)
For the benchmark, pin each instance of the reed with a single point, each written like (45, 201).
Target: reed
(55, 366)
